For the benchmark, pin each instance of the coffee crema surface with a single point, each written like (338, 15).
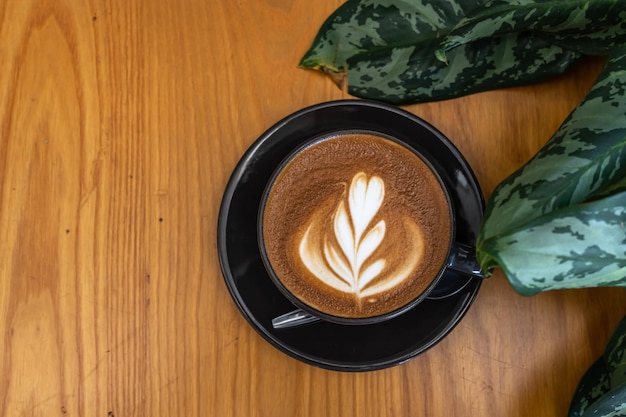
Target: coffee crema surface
(356, 225)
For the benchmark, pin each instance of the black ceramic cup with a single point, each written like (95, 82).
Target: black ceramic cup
(459, 257)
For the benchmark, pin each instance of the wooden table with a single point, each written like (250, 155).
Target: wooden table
(120, 123)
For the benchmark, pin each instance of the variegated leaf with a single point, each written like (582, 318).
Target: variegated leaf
(580, 245)
(601, 391)
(586, 158)
(612, 404)
(413, 74)
(362, 26)
(594, 384)
(591, 27)
(615, 355)
(386, 51)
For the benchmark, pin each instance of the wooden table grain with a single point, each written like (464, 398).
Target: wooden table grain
(120, 124)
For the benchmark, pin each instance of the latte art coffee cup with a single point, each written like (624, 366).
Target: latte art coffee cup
(355, 225)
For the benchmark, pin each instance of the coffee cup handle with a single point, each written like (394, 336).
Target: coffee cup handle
(463, 259)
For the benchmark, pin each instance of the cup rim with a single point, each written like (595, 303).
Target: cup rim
(425, 158)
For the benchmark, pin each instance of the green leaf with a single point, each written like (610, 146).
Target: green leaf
(363, 26)
(411, 75)
(580, 245)
(594, 384)
(612, 404)
(584, 160)
(386, 50)
(591, 27)
(615, 355)
(601, 391)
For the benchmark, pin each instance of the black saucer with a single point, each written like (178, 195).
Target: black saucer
(327, 345)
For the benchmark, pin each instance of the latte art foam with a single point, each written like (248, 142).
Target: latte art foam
(356, 225)
(343, 257)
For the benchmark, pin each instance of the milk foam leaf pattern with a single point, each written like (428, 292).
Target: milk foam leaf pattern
(338, 265)
(386, 51)
(369, 243)
(365, 198)
(354, 250)
(591, 27)
(602, 389)
(370, 273)
(583, 161)
(357, 243)
(345, 237)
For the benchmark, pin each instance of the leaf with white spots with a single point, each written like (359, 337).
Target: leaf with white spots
(590, 27)
(385, 50)
(601, 391)
(539, 223)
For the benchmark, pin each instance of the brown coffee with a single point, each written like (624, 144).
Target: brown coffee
(356, 225)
